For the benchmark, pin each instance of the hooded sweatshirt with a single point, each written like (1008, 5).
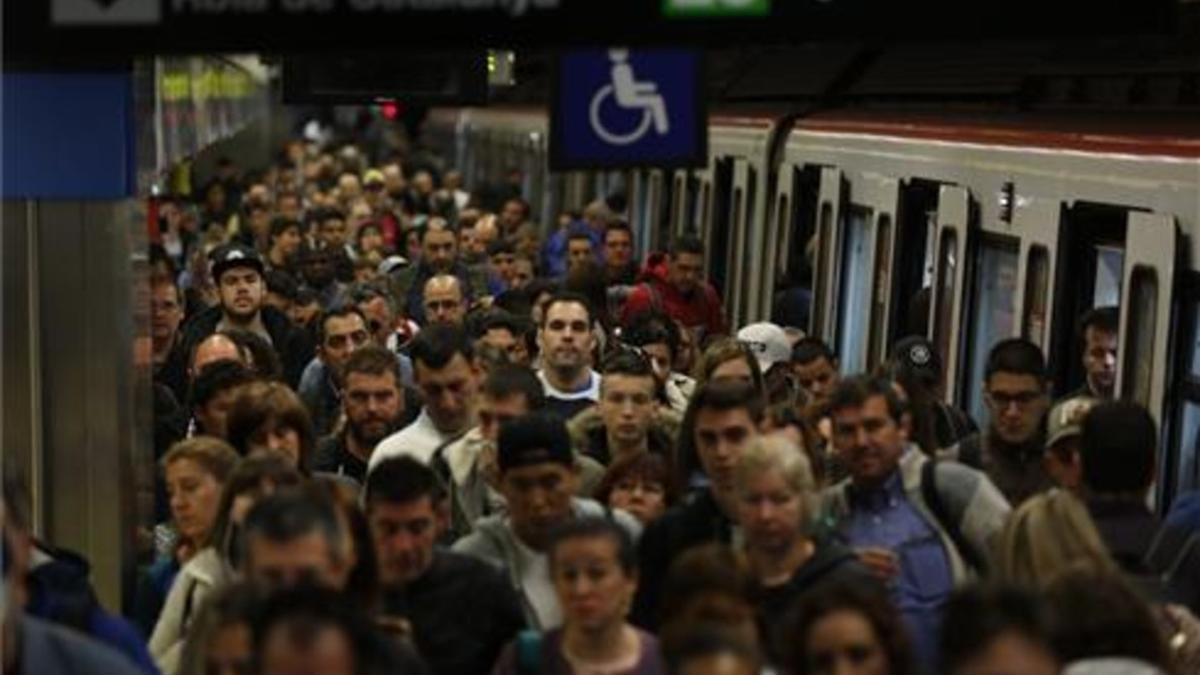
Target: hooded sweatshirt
(699, 310)
(831, 563)
(494, 541)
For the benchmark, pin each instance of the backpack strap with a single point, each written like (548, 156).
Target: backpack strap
(529, 652)
(656, 301)
(937, 506)
(970, 451)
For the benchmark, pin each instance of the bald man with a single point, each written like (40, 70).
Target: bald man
(215, 347)
(443, 300)
(486, 230)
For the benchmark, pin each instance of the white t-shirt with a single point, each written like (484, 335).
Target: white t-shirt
(419, 439)
(537, 585)
(591, 392)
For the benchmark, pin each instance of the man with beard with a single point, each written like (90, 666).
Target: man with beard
(166, 313)
(677, 287)
(373, 404)
(318, 267)
(340, 332)
(439, 255)
(238, 272)
(565, 340)
(1016, 388)
(619, 266)
(1098, 333)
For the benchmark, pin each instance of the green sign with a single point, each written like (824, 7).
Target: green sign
(704, 8)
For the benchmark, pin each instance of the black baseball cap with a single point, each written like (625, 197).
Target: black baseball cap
(537, 438)
(229, 256)
(918, 356)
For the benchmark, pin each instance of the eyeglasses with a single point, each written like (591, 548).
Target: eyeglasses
(1022, 399)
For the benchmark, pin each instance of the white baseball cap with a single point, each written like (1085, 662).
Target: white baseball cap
(768, 342)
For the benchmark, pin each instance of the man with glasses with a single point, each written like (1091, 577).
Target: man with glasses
(1016, 389)
(920, 525)
(448, 380)
(340, 331)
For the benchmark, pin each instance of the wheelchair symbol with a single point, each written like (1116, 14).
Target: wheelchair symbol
(629, 93)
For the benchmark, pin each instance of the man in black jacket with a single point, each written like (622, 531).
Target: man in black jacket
(724, 417)
(461, 610)
(238, 272)
(1118, 461)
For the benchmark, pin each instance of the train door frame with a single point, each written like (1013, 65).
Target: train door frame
(881, 196)
(1085, 227)
(717, 194)
(741, 220)
(1182, 444)
(831, 198)
(957, 216)
(1038, 223)
(679, 202)
(915, 221)
(1151, 248)
(779, 232)
(791, 225)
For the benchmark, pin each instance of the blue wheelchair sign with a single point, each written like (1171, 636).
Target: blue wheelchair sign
(617, 108)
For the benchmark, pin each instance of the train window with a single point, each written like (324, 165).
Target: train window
(992, 317)
(1037, 288)
(1187, 470)
(947, 273)
(824, 237)
(854, 307)
(1110, 261)
(1138, 350)
(882, 288)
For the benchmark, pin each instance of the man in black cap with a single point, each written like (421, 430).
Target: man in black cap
(538, 477)
(238, 273)
(917, 366)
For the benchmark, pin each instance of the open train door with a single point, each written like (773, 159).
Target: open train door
(1037, 225)
(742, 286)
(1152, 241)
(881, 195)
(825, 277)
(950, 282)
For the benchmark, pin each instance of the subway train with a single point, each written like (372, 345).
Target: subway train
(966, 228)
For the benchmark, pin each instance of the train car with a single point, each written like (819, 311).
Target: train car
(964, 228)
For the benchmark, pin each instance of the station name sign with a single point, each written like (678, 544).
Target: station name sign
(140, 27)
(512, 8)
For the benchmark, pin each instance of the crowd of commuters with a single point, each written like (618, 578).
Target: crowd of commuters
(404, 429)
